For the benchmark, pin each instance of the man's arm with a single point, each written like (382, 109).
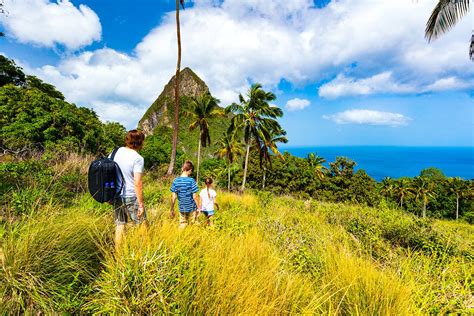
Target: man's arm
(138, 182)
(173, 201)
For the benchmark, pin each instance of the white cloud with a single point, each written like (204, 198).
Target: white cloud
(380, 83)
(232, 43)
(368, 117)
(449, 83)
(297, 104)
(343, 86)
(47, 23)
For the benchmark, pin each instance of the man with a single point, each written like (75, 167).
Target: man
(129, 204)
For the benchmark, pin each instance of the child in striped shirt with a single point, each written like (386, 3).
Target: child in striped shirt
(185, 189)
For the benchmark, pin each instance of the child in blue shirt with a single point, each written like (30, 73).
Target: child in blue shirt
(185, 189)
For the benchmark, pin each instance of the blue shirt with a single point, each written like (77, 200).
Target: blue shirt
(184, 187)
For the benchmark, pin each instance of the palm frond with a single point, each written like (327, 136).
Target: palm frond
(444, 16)
(471, 48)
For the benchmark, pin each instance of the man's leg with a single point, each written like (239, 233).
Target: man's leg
(120, 218)
(119, 232)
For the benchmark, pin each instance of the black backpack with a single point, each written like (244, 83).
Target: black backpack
(104, 179)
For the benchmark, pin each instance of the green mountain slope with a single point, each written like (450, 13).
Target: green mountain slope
(158, 119)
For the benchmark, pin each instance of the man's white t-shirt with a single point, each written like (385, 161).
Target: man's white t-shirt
(207, 199)
(129, 162)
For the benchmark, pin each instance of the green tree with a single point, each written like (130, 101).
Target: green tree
(230, 149)
(445, 16)
(11, 73)
(316, 163)
(270, 144)
(459, 188)
(343, 167)
(49, 89)
(201, 110)
(433, 173)
(386, 187)
(257, 119)
(423, 188)
(115, 133)
(402, 189)
(176, 93)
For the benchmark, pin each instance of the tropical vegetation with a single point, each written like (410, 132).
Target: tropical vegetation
(317, 239)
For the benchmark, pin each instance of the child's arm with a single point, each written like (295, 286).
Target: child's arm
(173, 200)
(198, 202)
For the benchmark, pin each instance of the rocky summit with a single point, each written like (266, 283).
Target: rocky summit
(160, 113)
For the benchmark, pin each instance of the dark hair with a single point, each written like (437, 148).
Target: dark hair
(134, 139)
(188, 165)
(208, 182)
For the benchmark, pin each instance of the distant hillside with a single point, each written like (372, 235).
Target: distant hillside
(158, 119)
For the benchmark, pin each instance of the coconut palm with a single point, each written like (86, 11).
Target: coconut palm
(201, 110)
(176, 93)
(316, 163)
(445, 16)
(402, 188)
(386, 187)
(423, 189)
(459, 188)
(256, 118)
(270, 144)
(229, 148)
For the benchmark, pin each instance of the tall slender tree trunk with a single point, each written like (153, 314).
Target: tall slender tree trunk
(228, 177)
(264, 177)
(176, 97)
(199, 160)
(401, 201)
(424, 208)
(242, 188)
(457, 205)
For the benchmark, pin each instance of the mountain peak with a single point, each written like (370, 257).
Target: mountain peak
(160, 113)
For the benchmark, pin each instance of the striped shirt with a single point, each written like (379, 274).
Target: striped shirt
(184, 187)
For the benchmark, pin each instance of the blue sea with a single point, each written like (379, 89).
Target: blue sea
(390, 161)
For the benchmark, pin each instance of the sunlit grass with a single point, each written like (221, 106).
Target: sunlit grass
(265, 255)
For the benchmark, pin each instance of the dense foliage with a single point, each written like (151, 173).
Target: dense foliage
(34, 115)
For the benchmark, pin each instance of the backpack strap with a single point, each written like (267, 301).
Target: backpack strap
(112, 156)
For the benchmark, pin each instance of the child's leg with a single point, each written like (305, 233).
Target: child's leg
(183, 219)
(210, 220)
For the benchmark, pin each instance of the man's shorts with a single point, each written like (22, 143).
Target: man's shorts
(125, 209)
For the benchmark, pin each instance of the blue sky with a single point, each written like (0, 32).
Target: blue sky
(345, 72)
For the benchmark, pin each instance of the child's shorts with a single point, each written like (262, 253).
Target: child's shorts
(208, 213)
(184, 217)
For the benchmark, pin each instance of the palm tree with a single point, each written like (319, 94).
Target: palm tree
(444, 17)
(202, 110)
(270, 144)
(316, 163)
(423, 189)
(257, 119)
(176, 93)
(387, 186)
(402, 189)
(459, 188)
(229, 148)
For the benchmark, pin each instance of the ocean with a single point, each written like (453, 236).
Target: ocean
(390, 161)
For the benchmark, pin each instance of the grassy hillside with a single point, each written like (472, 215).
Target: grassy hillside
(266, 255)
